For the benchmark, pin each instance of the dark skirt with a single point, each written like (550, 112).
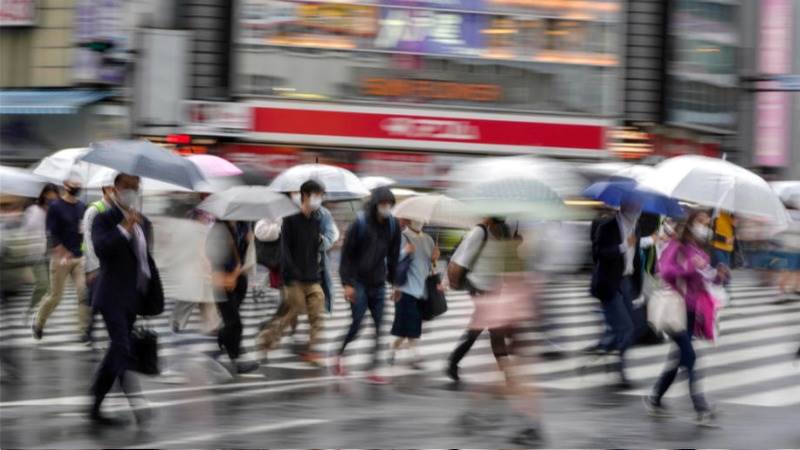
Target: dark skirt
(407, 319)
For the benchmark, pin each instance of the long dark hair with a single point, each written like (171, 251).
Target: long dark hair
(48, 188)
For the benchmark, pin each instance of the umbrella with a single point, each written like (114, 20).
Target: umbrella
(147, 160)
(63, 163)
(435, 209)
(556, 175)
(636, 172)
(716, 183)
(150, 185)
(339, 183)
(517, 195)
(612, 193)
(214, 166)
(375, 182)
(249, 203)
(20, 182)
(786, 189)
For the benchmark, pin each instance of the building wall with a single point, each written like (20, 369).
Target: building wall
(210, 22)
(644, 63)
(39, 56)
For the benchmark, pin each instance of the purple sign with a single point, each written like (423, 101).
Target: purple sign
(434, 32)
(455, 5)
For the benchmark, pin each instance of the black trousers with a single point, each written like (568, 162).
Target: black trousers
(230, 333)
(118, 358)
(497, 338)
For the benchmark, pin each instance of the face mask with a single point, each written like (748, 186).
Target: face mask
(74, 191)
(128, 198)
(700, 231)
(315, 202)
(416, 226)
(295, 196)
(385, 210)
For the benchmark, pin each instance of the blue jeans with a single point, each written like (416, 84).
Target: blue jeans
(372, 298)
(618, 313)
(685, 357)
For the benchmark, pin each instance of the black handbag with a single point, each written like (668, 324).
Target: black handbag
(435, 304)
(144, 348)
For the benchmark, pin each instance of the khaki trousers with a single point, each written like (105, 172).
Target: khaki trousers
(298, 298)
(72, 268)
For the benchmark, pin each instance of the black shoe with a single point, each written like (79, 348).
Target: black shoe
(247, 366)
(528, 437)
(37, 332)
(625, 385)
(798, 354)
(594, 350)
(96, 418)
(654, 407)
(452, 372)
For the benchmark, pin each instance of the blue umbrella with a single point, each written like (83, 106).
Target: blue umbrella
(612, 193)
(145, 159)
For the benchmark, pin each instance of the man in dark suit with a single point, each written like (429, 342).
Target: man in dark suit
(617, 278)
(127, 285)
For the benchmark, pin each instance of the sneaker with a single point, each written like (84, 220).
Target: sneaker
(175, 328)
(376, 379)
(247, 366)
(37, 332)
(707, 418)
(96, 418)
(338, 367)
(452, 372)
(528, 437)
(654, 408)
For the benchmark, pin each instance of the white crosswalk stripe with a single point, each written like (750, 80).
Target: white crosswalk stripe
(751, 363)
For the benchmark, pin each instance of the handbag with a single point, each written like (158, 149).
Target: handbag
(435, 304)
(666, 310)
(144, 348)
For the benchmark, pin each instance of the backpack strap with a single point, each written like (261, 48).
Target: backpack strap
(483, 244)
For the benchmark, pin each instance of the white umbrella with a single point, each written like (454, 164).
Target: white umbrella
(786, 189)
(559, 177)
(64, 163)
(339, 183)
(20, 182)
(375, 182)
(434, 209)
(636, 172)
(716, 183)
(516, 195)
(249, 203)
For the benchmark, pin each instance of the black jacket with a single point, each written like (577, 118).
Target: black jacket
(117, 280)
(370, 254)
(610, 262)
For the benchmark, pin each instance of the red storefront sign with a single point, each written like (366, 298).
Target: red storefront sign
(322, 124)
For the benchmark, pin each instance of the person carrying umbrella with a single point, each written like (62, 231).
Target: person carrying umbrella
(369, 259)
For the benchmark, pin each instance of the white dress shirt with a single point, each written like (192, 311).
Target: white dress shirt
(626, 229)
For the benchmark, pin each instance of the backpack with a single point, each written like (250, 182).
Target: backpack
(461, 283)
(268, 254)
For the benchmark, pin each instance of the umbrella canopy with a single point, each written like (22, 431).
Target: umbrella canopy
(65, 163)
(339, 183)
(214, 166)
(20, 182)
(613, 193)
(557, 176)
(375, 182)
(147, 160)
(150, 185)
(636, 172)
(249, 203)
(519, 196)
(435, 209)
(786, 189)
(716, 183)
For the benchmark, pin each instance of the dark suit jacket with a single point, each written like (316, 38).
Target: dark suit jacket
(610, 262)
(117, 280)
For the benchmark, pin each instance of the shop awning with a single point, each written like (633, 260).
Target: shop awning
(48, 101)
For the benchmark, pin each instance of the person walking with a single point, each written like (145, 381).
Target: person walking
(475, 265)
(617, 279)
(92, 263)
(63, 224)
(407, 326)
(301, 271)
(34, 223)
(127, 279)
(369, 259)
(226, 248)
(686, 268)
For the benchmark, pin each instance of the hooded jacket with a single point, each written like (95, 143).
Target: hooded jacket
(370, 256)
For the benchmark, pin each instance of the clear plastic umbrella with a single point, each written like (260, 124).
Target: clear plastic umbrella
(375, 182)
(20, 182)
(65, 163)
(249, 203)
(339, 183)
(435, 209)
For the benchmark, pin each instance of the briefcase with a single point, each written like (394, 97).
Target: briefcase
(144, 348)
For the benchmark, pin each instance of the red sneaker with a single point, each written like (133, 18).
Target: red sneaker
(376, 379)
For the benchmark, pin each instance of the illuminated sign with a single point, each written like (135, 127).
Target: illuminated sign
(431, 89)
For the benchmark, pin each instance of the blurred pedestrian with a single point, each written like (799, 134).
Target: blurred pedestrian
(65, 239)
(122, 239)
(686, 268)
(723, 239)
(789, 279)
(226, 248)
(617, 279)
(92, 263)
(474, 266)
(301, 271)
(369, 259)
(35, 225)
(407, 326)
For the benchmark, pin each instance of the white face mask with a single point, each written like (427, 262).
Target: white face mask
(295, 196)
(128, 198)
(416, 225)
(315, 202)
(700, 231)
(385, 210)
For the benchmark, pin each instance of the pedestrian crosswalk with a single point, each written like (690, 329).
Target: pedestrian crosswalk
(752, 362)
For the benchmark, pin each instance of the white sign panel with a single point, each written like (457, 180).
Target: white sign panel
(217, 118)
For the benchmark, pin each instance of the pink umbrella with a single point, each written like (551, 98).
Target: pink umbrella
(214, 166)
